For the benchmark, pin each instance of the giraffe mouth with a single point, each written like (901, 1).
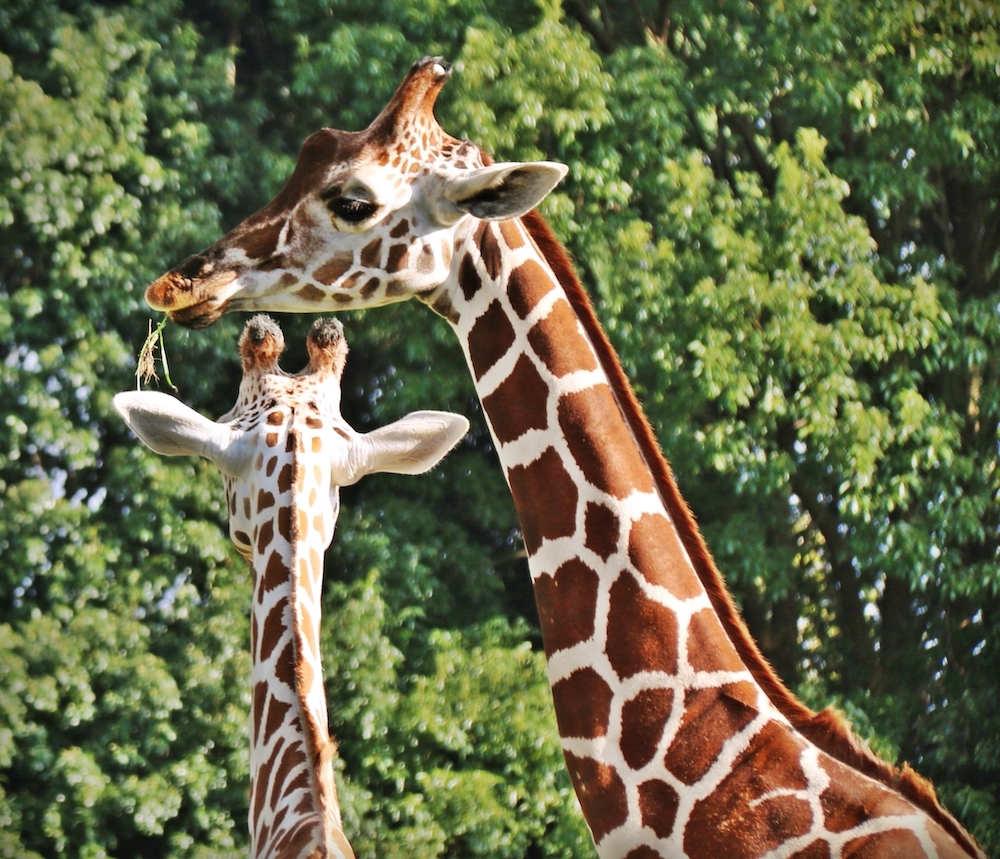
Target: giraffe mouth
(183, 297)
(199, 315)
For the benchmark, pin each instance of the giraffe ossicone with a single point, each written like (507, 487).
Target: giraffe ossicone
(680, 739)
(284, 450)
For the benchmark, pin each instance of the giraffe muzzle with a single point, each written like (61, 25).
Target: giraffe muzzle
(191, 301)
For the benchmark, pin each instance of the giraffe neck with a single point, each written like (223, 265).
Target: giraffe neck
(663, 701)
(293, 802)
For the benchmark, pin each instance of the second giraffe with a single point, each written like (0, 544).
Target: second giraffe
(284, 451)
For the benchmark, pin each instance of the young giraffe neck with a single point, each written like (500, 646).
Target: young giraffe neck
(294, 812)
(679, 738)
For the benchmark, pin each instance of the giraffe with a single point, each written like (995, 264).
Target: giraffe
(679, 738)
(284, 451)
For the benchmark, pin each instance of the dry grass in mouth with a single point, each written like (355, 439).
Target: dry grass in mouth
(145, 367)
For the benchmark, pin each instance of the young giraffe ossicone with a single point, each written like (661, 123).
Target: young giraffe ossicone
(284, 451)
(679, 738)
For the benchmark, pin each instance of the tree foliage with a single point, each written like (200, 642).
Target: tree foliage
(788, 216)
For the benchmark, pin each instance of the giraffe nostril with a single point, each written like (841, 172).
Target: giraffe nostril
(195, 266)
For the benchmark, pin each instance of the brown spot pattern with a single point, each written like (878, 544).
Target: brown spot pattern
(528, 284)
(284, 665)
(601, 529)
(557, 340)
(566, 604)
(371, 255)
(310, 292)
(273, 630)
(285, 523)
(490, 339)
(643, 719)
(519, 403)
(260, 241)
(601, 443)
(545, 497)
(397, 253)
(512, 235)
(468, 278)
(642, 633)
(601, 793)
(292, 756)
(643, 852)
(729, 823)
(894, 844)
(709, 648)
(851, 800)
(656, 552)
(334, 269)
(658, 803)
(259, 700)
(816, 850)
(285, 478)
(583, 704)
(275, 572)
(276, 713)
(711, 717)
(945, 844)
(490, 251)
(264, 536)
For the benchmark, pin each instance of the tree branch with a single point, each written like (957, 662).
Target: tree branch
(744, 127)
(600, 34)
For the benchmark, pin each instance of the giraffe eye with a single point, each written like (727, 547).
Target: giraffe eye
(351, 210)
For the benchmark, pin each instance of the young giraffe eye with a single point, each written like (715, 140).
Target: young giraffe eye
(351, 210)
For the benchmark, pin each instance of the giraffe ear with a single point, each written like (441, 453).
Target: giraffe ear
(167, 426)
(412, 445)
(506, 190)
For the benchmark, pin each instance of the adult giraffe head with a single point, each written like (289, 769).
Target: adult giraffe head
(366, 218)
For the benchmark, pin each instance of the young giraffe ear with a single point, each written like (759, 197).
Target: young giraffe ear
(165, 425)
(506, 190)
(412, 445)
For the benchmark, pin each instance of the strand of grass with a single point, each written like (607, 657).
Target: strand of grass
(145, 368)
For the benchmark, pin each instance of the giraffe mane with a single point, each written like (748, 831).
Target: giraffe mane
(827, 730)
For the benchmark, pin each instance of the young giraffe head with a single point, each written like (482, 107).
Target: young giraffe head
(273, 406)
(285, 450)
(366, 218)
